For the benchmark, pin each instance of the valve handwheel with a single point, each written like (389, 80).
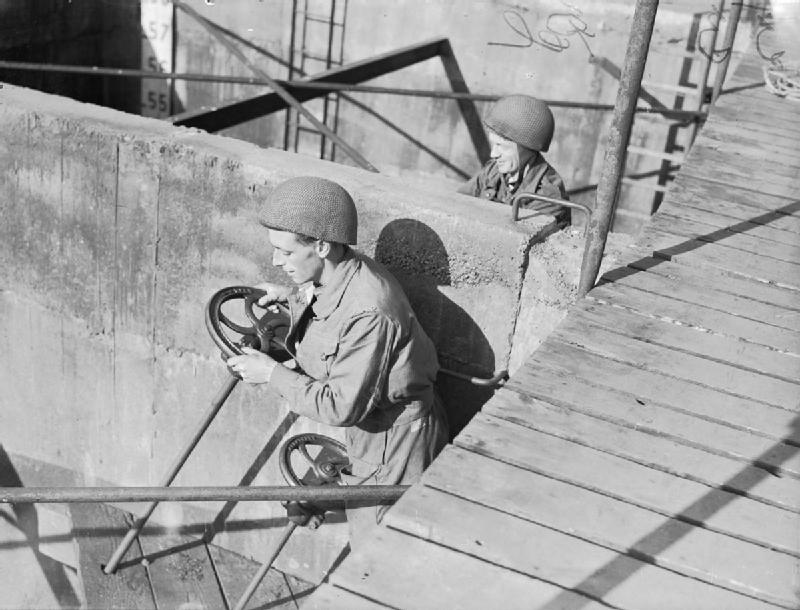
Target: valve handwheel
(266, 332)
(324, 469)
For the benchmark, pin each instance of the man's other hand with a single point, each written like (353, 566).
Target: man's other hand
(252, 366)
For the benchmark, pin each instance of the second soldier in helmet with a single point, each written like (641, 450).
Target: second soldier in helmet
(520, 130)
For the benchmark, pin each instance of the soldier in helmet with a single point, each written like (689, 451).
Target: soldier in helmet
(520, 130)
(363, 360)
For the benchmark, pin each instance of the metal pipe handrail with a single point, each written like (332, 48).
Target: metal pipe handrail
(266, 493)
(630, 83)
(536, 196)
(326, 86)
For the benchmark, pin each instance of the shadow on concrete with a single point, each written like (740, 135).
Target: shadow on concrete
(416, 256)
(606, 578)
(27, 521)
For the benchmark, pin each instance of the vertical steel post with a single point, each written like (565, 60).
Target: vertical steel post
(614, 161)
(702, 84)
(727, 47)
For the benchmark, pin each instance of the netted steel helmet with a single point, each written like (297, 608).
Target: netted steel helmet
(522, 119)
(312, 206)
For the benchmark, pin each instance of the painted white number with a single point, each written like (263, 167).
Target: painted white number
(156, 24)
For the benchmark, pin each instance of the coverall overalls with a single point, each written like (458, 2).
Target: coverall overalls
(366, 364)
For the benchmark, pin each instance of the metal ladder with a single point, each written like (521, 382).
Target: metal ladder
(317, 44)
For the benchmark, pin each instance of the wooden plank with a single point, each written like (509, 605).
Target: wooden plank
(669, 361)
(327, 597)
(760, 111)
(660, 234)
(780, 161)
(98, 529)
(180, 570)
(235, 573)
(721, 281)
(626, 473)
(770, 184)
(554, 386)
(567, 561)
(659, 460)
(756, 105)
(685, 219)
(571, 372)
(756, 522)
(428, 576)
(747, 205)
(709, 297)
(707, 154)
(720, 322)
(688, 339)
(700, 253)
(618, 478)
(744, 135)
(617, 525)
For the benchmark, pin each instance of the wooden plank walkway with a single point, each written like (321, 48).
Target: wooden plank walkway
(647, 455)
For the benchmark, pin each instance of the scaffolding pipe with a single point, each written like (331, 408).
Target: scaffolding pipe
(277, 547)
(381, 494)
(326, 86)
(727, 47)
(278, 89)
(614, 161)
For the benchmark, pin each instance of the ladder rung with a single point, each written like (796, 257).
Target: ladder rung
(317, 57)
(649, 152)
(309, 130)
(325, 20)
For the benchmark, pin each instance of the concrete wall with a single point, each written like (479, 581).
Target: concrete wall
(114, 232)
(547, 48)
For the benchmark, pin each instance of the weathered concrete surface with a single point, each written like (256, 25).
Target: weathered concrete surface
(114, 232)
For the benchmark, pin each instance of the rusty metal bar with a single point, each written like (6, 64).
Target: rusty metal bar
(614, 161)
(278, 89)
(467, 106)
(180, 460)
(727, 46)
(297, 86)
(268, 493)
(237, 112)
(703, 82)
(264, 568)
(537, 197)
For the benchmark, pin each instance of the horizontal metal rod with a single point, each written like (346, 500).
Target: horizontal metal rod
(276, 493)
(323, 86)
(496, 381)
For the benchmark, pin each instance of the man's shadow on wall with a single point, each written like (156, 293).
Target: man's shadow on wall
(416, 256)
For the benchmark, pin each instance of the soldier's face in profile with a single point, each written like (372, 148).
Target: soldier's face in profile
(301, 261)
(506, 152)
